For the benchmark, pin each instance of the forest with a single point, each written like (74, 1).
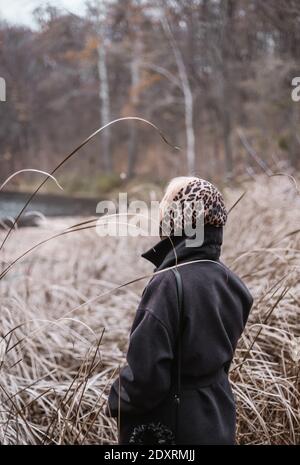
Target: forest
(214, 76)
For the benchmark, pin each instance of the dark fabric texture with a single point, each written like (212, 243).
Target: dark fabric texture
(216, 308)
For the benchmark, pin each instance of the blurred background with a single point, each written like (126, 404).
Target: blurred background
(215, 76)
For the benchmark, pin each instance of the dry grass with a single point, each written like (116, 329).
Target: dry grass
(57, 363)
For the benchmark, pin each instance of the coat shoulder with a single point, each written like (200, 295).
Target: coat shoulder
(161, 285)
(209, 276)
(160, 299)
(239, 284)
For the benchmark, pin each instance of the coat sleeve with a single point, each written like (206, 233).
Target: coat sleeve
(146, 379)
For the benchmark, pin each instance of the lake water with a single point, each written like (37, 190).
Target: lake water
(49, 205)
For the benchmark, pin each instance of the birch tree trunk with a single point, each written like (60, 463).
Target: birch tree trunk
(188, 98)
(104, 97)
(135, 79)
(227, 11)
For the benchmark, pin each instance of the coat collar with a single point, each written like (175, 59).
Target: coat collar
(162, 254)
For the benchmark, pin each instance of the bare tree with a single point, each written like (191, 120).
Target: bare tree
(135, 67)
(99, 7)
(187, 93)
(227, 11)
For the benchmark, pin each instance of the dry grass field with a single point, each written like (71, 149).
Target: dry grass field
(64, 329)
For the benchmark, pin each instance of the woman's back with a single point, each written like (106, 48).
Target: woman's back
(216, 302)
(216, 308)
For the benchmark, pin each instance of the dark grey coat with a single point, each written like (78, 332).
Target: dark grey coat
(216, 308)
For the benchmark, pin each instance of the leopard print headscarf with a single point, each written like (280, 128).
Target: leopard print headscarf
(187, 199)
